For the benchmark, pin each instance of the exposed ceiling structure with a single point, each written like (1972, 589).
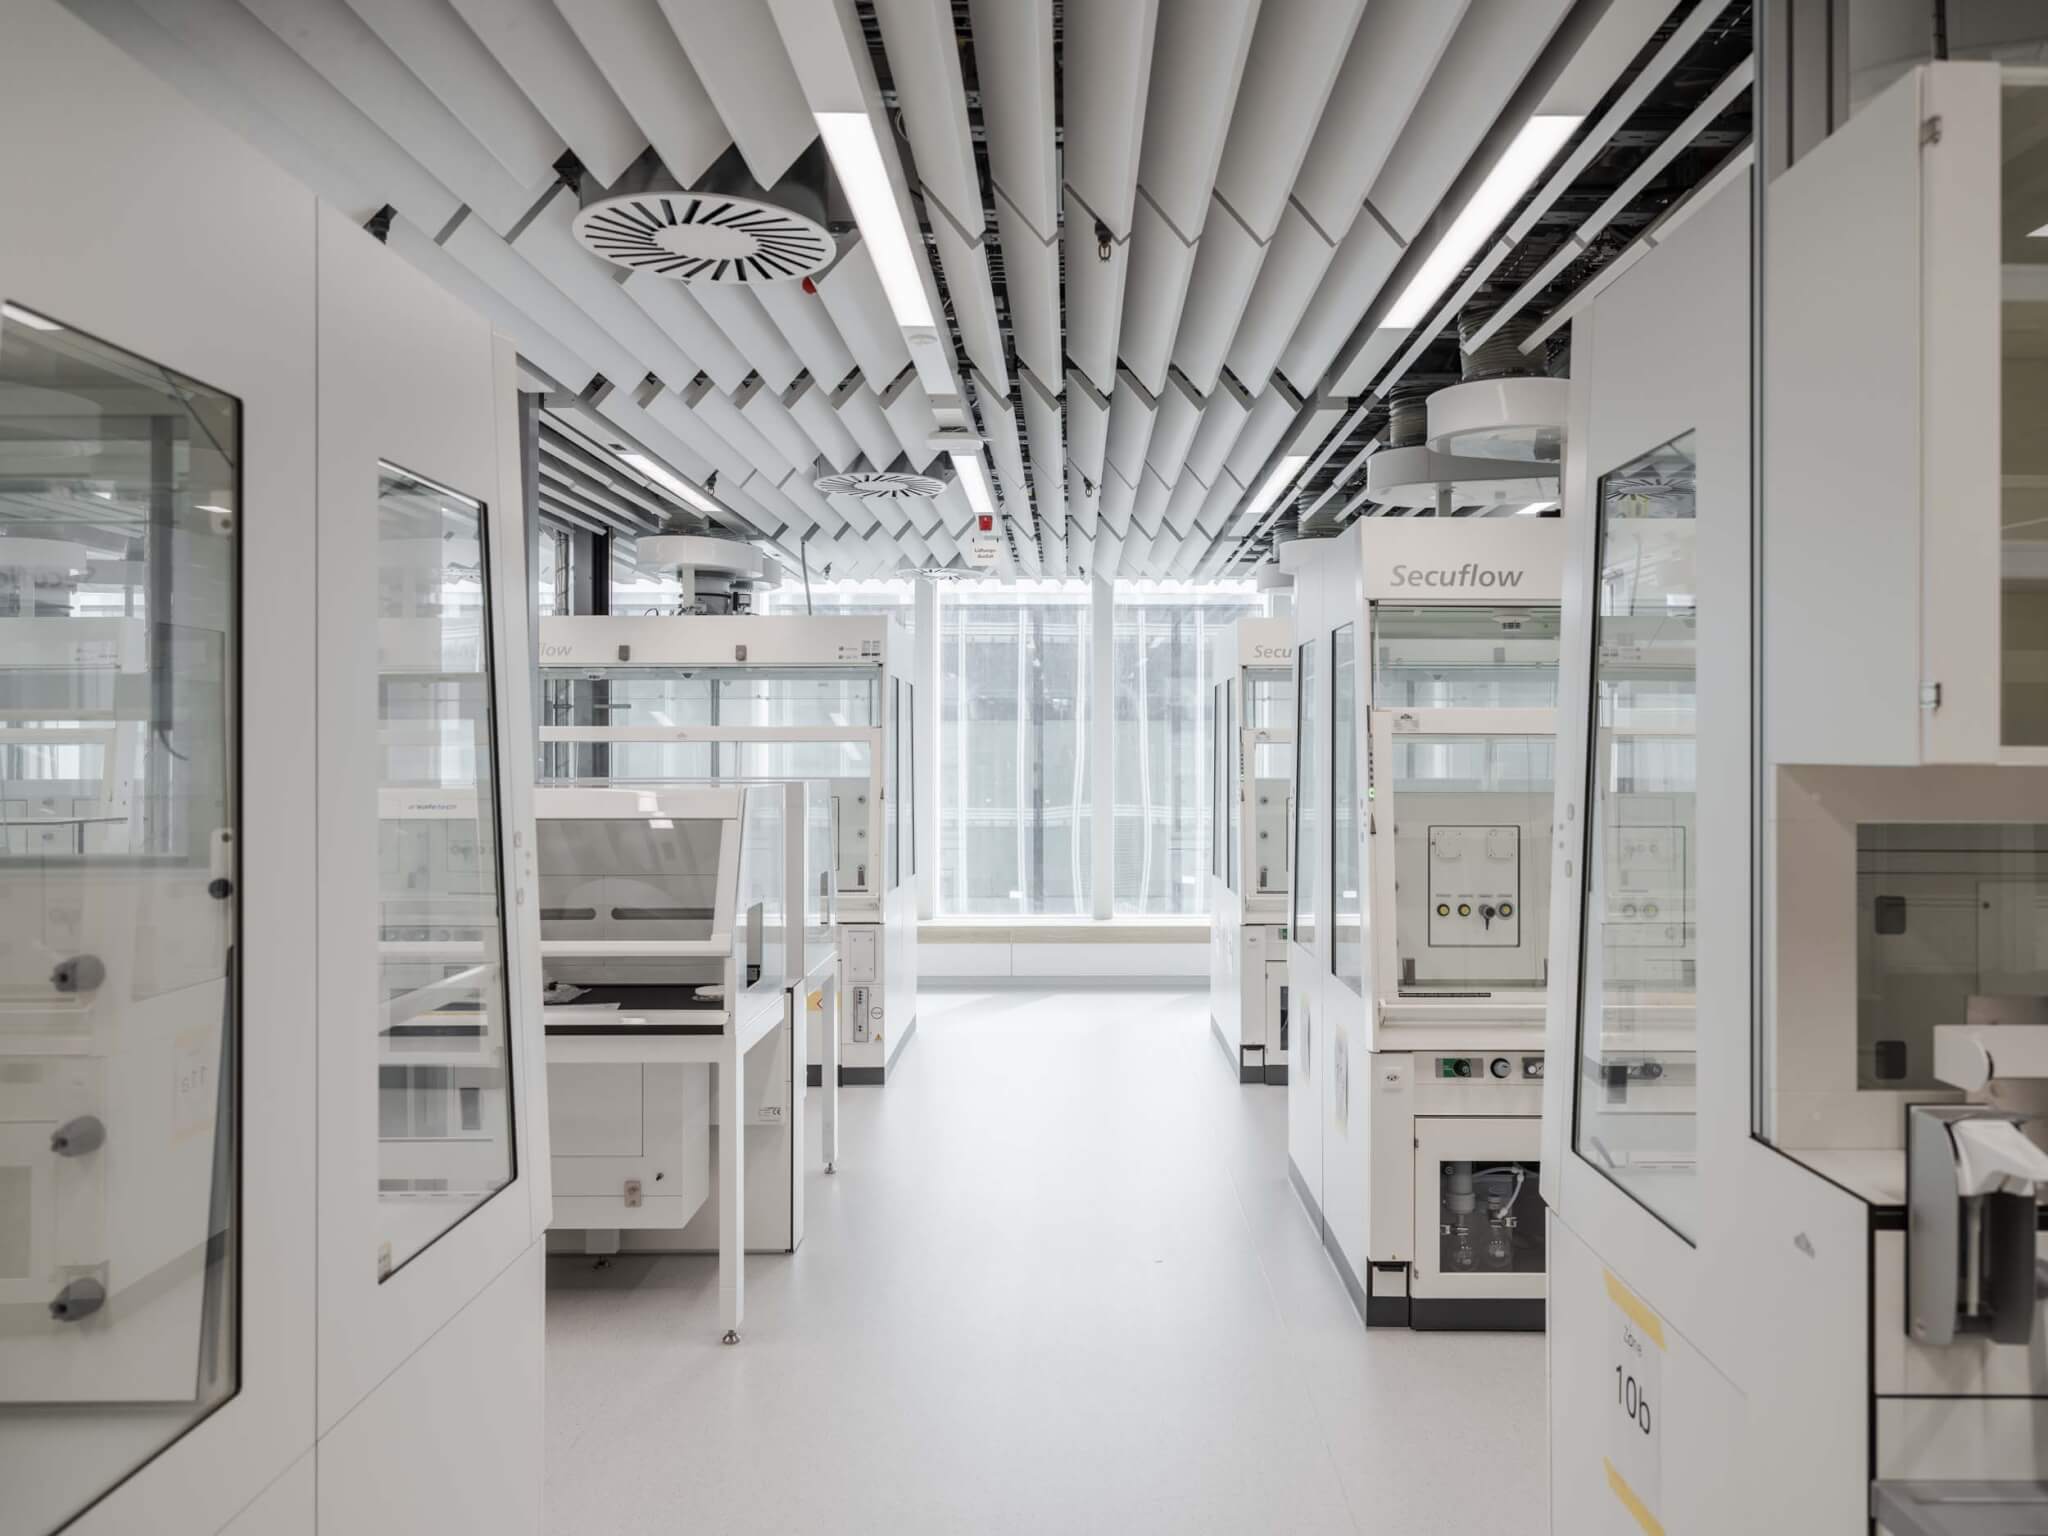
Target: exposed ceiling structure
(1165, 240)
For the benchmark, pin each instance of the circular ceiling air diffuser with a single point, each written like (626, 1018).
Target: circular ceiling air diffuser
(705, 237)
(881, 485)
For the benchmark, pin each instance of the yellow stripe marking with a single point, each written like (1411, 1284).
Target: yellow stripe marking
(1651, 1525)
(1636, 1308)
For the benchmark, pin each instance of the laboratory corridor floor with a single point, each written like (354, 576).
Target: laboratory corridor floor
(1059, 1284)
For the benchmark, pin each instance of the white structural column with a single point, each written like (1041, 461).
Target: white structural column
(924, 805)
(1101, 732)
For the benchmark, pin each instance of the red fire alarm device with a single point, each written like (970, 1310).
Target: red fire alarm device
(985, 523)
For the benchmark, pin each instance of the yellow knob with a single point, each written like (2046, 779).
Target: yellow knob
(1464, 909)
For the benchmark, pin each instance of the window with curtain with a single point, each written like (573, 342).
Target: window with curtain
(1161, 673)
(1015, 823)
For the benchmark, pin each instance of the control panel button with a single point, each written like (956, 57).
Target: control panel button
(1500, 1066)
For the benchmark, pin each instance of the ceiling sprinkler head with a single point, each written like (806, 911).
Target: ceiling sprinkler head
(1102, 241)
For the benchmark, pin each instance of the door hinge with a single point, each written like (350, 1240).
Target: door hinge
(1930, 695)
(1930, 130)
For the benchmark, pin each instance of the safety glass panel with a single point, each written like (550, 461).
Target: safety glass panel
(1272, 778)
(119, 1018)
(631, 880)
(1347, 881)
(2023, 388)
(1308, 815)
(1471, 862)
(1269, 698)
(444, 1074)
(1951, 928)
(1464, 657)
(1635, 1106)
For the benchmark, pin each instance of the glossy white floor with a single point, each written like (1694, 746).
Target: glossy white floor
(1060, 1284)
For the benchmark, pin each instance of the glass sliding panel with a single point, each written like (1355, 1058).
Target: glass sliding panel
(1218, 719)
(1347, 881)
(444, 1069)
(1465, 658)
(1272, 767)
(1015, 802)
(1231, 788)
(119, 1018)
(1635, 1117)
(1308, 816)
(1269, 699)
(893, 795)
(1471, 862)
(2023, 386)
(1162, 649)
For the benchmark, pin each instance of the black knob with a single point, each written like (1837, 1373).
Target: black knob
(81, 973)
(80, 1298)
(220, 888)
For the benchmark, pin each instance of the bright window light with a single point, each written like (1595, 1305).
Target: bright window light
(1533, 508)
(1288, 467)
(857, 157)
(974, 482)
(1525, 159)
(29, 318)
(670, 481)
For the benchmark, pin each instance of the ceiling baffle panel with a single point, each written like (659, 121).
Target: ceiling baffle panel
(807, 325)
(496, 264)
(1014, 70)
(737, 53)
(435, 44)
(633, 46)
(538, 49)
(810, 404)
(735, 311)
(1199, 56)
(1132, 410)
(1005, 446)
(924, 62)
(1043, 430)
(674, 308)
(548, 245)
(717, 410)
(860, 411)
(1173, 428)
(335, 42)
(1223, 417)
(1298, 48)
(909, 411)
(537, 345)
(852, 291)
(1087, 427)
(1107, 62)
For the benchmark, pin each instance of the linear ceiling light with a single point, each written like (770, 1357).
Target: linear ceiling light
(1288, 467)
(670, 481)
(29, 318)
(974, 482)
(857, 157)
(1525, 159)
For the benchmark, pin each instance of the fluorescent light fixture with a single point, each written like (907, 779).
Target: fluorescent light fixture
(1524, 160)
(857, 157)
(1288, 467)
(660, 824)
(29, 318)
(670, 481)
(1533, 508)
(2032, 234)
(974, 481)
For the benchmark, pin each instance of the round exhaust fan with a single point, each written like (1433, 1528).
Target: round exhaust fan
(881, 485)
(726, 229)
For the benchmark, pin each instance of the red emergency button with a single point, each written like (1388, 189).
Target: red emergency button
(985, 523)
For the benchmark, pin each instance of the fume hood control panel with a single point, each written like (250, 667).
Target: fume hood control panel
(1522, 1067)
(1475, 887)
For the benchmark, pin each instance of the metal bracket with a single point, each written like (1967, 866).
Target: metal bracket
(1930, 130)
(1930, 695)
